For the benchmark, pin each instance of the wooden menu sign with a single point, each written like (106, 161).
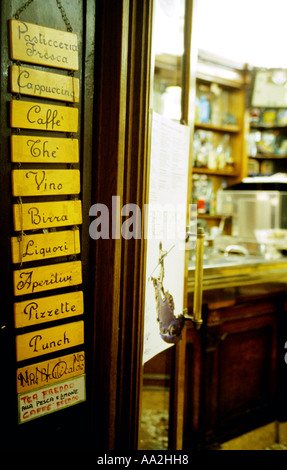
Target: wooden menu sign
(47, 309)
(51, 371)
(50, 340)
(45, 245)
(45, 182)
(51, 398)
(55, 276)
(45, 117)
(31, 149)
(38, 215)
(44, 46)
(34, 82)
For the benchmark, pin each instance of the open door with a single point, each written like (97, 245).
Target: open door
(174, 56)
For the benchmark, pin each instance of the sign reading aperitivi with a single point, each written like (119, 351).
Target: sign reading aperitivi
(44, 46)
(46, 117)
(31, 149)
(42, 278)
(27, 81)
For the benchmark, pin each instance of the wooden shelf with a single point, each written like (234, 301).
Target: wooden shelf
(210, 217)
(267, 127)
(208, 171)
(268, 156)
(230, 128)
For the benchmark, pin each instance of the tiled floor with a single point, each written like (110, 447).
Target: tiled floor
(154, 428)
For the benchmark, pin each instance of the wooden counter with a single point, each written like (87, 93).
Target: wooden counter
(240, 273)
(236, 373)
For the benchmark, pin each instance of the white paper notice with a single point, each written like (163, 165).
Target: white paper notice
(166, 222)
(51, 398)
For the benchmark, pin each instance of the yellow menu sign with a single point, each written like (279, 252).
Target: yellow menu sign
(27, 81)
(45, 117)
(51, 371)
(38, 149)
(45, 182)
(55, 276)
(47, 309)
(45, 245)
(46, 341)
(37, 215)
(44, 46)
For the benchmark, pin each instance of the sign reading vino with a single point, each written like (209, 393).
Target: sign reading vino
(45, 182)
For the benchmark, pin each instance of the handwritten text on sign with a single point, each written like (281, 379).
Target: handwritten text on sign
(46, 117)
(49, 340)
(45, 245)
(47, 309)
(34, 82)
(46, 214)
(46, 400)
(55, 276)
(44, 46)
(51, 371)
(31, 149)
(45, 182)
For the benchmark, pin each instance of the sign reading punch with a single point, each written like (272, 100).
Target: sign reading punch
(49, 340)
(44, 46)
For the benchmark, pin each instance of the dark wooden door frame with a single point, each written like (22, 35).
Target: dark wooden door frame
(120, 159)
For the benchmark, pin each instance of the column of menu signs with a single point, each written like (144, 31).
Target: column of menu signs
(43, 166)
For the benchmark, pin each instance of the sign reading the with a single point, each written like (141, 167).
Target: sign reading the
(51, 398)
(49, 372)
(45, 182)
(53, 276)
(45, 245)
(45, 117)
(46, 309)
(38, 215)
(49, 340)
(44, 46)
(34, 82)
(31, 149)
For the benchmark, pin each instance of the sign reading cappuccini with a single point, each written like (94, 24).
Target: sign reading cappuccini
(44, 46)
(28, 81)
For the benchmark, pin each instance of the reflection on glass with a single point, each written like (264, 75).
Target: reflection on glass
(168, 48)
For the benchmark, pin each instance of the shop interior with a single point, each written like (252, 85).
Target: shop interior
(234, 368)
